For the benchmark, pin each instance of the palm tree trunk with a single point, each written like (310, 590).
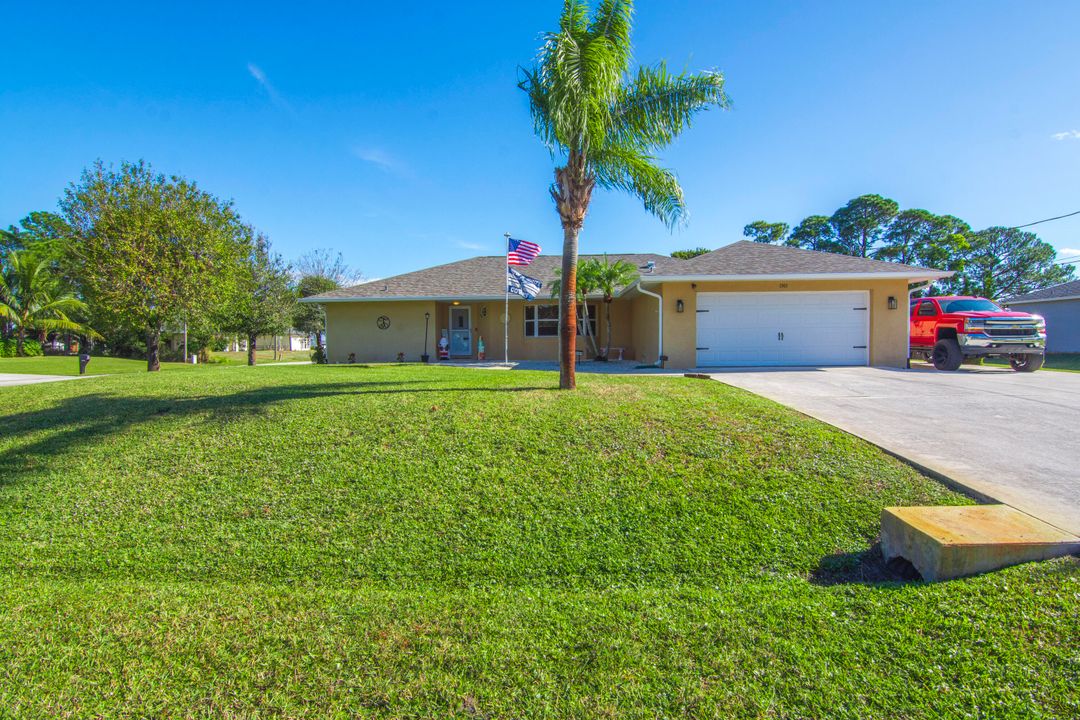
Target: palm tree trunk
(153, 339)
(568, 309)
(607, 348)
(19, 341)
(251, 349)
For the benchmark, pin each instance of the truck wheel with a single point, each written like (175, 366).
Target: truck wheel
(1026, 363)
(947, 355)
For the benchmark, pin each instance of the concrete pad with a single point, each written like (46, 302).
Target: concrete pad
(11, 379)
(951, 542)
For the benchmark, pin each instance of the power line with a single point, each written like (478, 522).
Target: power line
(1040, 222)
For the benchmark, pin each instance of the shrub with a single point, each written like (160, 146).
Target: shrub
(31, 348)
(318, 355)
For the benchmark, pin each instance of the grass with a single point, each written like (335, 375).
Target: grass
(261, 357)
(390, 541)
(69, 365)
(1069, 362)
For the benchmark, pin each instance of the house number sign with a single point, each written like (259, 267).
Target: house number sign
(383, 322)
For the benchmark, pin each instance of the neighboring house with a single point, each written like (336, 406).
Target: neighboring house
(745, 304)
(292, 340)
(1060, 306)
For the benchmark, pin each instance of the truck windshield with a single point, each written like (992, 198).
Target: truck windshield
(951, 306)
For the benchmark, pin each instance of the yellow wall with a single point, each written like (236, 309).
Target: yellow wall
(888, 328)
(352, 328)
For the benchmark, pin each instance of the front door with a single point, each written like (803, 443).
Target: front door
(460, 332)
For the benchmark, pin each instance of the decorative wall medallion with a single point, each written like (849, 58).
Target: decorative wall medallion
(383, 322)
(483, 311)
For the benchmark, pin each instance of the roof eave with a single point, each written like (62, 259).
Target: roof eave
(1041, 300)
(910, 276)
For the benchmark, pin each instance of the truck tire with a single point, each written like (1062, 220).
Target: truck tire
(1026, 363)
(947, 355)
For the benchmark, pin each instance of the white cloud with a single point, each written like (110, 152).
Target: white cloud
(271, 91)
(470, 245)
(1065, 253)
(381, 159)
(1067, 135)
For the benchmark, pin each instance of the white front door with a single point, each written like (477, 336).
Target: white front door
(783, 328)
(460, 332)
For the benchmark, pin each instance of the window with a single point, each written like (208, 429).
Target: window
(927, 309)
(543, 320)
(969, 305)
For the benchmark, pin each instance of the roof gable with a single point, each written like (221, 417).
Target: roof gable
(747, 257)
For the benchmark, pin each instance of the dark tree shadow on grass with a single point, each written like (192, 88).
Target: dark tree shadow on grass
(88, 419)
(867, 567)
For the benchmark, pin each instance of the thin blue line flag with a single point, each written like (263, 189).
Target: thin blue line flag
(522, 285)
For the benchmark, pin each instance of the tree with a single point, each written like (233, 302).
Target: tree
(325, 263)
(766, 232)
(309, 318)
(151, 249)
(605, 128)
(1006, 262)
(815, 233)
(267, 303)
(860, 223)
(32, 298)
(608, 277)
(586, 284)
(687, 254)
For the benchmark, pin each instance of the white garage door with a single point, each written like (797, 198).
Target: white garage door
(785, 328)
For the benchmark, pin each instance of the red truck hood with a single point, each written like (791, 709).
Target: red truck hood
(991, 314)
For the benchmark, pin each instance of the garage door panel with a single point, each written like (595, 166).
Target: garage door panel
(797, 328)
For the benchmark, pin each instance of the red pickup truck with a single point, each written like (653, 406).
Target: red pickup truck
(948, 330)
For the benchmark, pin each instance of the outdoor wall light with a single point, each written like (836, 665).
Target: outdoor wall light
(679, 307)
(892, 302)
(456, 302)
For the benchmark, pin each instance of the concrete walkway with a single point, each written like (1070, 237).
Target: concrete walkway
(1013, 437)
(10, 379)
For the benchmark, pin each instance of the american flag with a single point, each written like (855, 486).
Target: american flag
(521, 252)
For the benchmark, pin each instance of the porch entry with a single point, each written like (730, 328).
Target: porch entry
(460, 332)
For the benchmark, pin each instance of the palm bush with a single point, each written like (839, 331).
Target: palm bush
(32, 298)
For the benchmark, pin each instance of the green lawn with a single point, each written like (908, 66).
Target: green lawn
(1054, 361)
(261, 357)
(69, 365)
(406, 541)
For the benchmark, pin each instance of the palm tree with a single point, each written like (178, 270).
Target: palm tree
(586, 284)
(606, 127)
(31, 297)
(608, 277)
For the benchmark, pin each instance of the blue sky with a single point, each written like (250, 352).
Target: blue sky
(395, 132)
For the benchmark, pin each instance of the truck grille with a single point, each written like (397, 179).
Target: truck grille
(1011, 331)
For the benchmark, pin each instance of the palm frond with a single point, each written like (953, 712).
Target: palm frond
(635, 172)
(657, 106)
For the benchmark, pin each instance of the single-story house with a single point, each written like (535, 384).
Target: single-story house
(1060, 306)
(744, 304)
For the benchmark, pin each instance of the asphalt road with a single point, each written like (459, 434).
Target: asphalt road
(1014, 437)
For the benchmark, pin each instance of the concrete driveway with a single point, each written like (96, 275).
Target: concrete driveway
(1014, 437)
(7, 379)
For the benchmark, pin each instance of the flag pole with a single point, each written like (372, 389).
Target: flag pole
(506, 300)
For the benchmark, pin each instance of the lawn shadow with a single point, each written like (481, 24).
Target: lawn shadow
(86, 419)
(867, 567)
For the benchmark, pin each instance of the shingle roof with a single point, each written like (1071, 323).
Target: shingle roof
(1069, 289)
(483, 277)
(747, 257)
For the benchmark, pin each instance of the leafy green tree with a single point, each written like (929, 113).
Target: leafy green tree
(33, 299)
(308, 318)
(1006, 262)
(860, 224)
(815, 233)
(152, 249)
(266, 303)
(687, 254)
(609, 277)
(606, 128)
(766, 232)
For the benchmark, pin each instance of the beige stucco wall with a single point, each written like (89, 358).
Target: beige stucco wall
(352, 328)
(888, 328)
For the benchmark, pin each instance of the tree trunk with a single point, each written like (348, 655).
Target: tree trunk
(19, 341)
(251, 349)
(153, 339)
(607, 348)
(568, 311)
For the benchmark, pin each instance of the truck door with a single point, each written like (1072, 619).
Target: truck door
(924, 321)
